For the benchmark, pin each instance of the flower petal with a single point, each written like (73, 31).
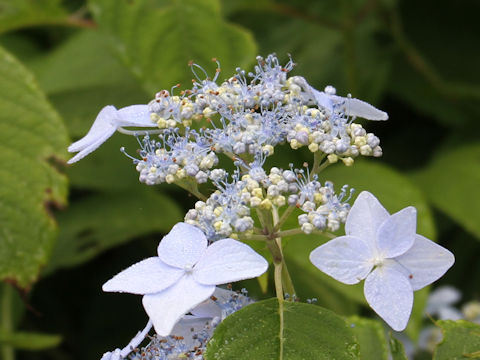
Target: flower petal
(228, 260)
(104, 123)
(135, 115)
(390, 294)
(365, 217)
(322, 99)
(210, 308)
(345, 258)
(424, 262)
(359, 108)
(167, 307)
(397, 233)
(145, 277)
(182, 246)
(93, 146)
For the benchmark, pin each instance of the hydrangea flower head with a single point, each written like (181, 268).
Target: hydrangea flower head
(185, 273)
(384, 250)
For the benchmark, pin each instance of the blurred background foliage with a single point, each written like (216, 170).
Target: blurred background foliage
(65, 230)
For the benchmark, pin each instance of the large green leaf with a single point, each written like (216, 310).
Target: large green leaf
(82, 75)
(258, 332)
(461, 340)
(32, 140)
(371, 338)
(157, 38)
(24, 13)
(451, 184)
(397, 349)
(29, 341)
(100, 222)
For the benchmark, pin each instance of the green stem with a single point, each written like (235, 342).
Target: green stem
(323, 167)
(6, 321)
(121, 130)
(253, 237)
(317, 158)
(286, 279)
(283, 218)
(192, 188)
(289, 232)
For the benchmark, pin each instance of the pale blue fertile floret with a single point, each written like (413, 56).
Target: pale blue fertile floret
(108, 120)
(384, 250)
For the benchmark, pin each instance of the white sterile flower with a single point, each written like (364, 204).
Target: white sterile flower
(384, 250)
(185, 273)
(108, 120)
(350, 106)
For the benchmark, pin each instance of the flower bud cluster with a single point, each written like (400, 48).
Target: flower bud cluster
(175, 157)
(192, 341)
(227, 212)
(327, 211)
(249, 114)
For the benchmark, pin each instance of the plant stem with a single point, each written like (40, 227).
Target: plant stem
(6, 321)
(192, 188)
(287, 282)
(317, 158)
(253, 237)
(289, 232)
(323, 166)
(283, 218)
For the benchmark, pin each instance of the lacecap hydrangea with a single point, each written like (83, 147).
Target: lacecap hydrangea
(244, 119)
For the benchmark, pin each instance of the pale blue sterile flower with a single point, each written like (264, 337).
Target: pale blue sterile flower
(108, 120)
(440, 303)
(384, 250)
(185, 273)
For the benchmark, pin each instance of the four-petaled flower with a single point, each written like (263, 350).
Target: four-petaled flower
(185, 273)
(108, 120)
(384, 250)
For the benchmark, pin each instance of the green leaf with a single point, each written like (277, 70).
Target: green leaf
(396, 349)
(25, 13)
(29, 340)
(157, 39)
(32, 140)
(461, 340)
(83, 61)
(371, 338)
(99, 222)
(451, 184)
(307, 332)
(82, 75)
